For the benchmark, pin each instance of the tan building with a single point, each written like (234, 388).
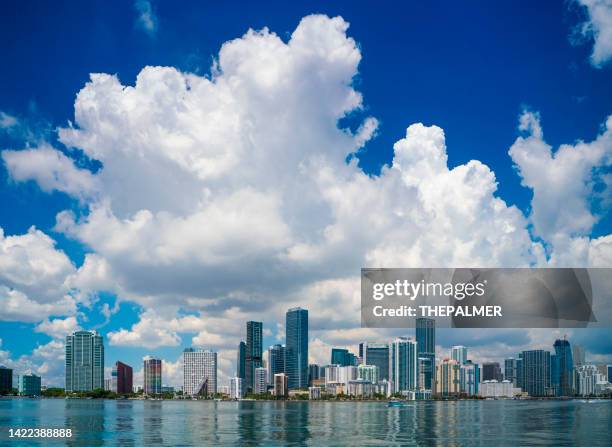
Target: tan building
(448, 378)
(281, 385)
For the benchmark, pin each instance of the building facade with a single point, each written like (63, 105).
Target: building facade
(199, 372)
(563, 367)
(492, 371)
(122, 378)
(377, 354)
(496, 390)
(6, 380)
(296, 351)
(254, 351)
(510, 367)
(536, 373)
(448, 378)
(84, 361)
(459, 354)
(281, 385)
(28, 385)
(403, 364)
(152, 376)
(241, 361)
(261, 381)
(426, 344)
(469, 378)
(369, 373)
(276, 361)
(236, 388)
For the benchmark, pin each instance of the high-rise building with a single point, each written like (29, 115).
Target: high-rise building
(510, 373)
(492, 371)
(578, 355)
(377, 354)
(261, 381)
(332, 374)
(241, 361)
(84, 361)
(254, 351)
(6, 380)
(368, 372)
(199, 372)
(29, 385)
(236, 388)
(342, 357)
(589, 381)
(296, 350)
(536, 372)
(152, 373)
(609, 369)
(281, 389)
(424, 368)
(469, 378)
(426, 344)
(122, 378)
(361, 345)
(459, 353)
(448, 378)
(403, 364)
(520, 382)
(563, 367)
(313, 373)
(276, 361)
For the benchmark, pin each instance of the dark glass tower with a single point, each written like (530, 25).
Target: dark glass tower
(563, 368)
(377, 354)
(241, 361)
(276, 361)
(426, 346)
(536, 372)
(254, 351)
(296, 351)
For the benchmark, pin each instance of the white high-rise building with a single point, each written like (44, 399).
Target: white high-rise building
(332, 374)
(236, 388)
(346, 374)
(459, 354)
(199, 372)
(260, 380)
(368, 372)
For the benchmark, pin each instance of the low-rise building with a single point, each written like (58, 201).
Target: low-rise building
(498, 390)
(28, 385)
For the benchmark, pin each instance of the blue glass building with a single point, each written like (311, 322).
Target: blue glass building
(562, 369)
(426, 345)
(296, 347)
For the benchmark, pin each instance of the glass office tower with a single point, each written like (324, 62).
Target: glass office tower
(426, 345)
(84, 361)
(254, 351)
(296, 347)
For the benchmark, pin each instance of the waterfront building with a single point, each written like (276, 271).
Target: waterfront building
(224, 389)
(261, 381)
(332, 374)
(520, 382)
(342, 357)
(166, 389)
(6, 380)
(84, 360)
(426, 344)
(241, 360)
(254, 351)
(562, 369)
(281, 385)
(510, 373)
(491, 371)
(152, 374)
(459, 354)
(536, 373)
(360, 388)
(448, 375)
(590, 382)
(496, 390)
(199, 372)
(296, 347)
(236, 388)
(28, 385)
(368, 372)
(108, 384)
(276, 361)
(424, 368)
(578, 355)
(122, 378)
(403, 364)
(313, 373)
(377, 354)
(314, 392)
(469, 378)
(346, 374)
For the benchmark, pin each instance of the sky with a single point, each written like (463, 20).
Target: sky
(168, 173)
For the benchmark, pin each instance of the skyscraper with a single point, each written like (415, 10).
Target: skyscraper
(313, 373)
(536, 372)
(510, 372)
(260, 385)
(241, 361)
(377, 354)
(426, 345)
(122, 378)
(6, 380)
(448, 378)
(152, 376)
(276, 361)
(403, 364)
(342, 357)
(459, 353)
(84, 361)
(578, 355)
(296, 353)
(491, 371)
(254, 351)
(236, 388)
(469, 378)
(199, 372)
(563, 369)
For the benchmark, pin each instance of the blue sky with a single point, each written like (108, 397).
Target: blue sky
(471, 69)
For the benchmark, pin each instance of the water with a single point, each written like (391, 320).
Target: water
(191, 423)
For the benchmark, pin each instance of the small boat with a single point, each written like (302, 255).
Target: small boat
(396, 404)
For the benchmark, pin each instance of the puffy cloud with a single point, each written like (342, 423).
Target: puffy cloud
(32, 278)
(46, 361)
(567, 176)
(58, 328)
(146, 20)
(598, 26)
(51, 169)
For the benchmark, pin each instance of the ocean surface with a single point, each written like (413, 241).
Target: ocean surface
(195, 423)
